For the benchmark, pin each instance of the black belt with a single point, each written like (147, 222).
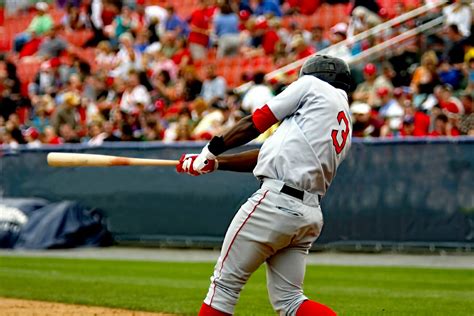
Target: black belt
(295, 192)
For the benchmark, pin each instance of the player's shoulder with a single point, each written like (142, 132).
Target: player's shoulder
(314, 82)
(306, 84)
(319, 86)
(307, 79)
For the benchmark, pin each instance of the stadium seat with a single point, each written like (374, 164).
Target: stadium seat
(17, 24)
(325, 17)
(27, 70)
(77, 38)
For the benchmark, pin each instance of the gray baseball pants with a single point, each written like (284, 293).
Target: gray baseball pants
(270, 227)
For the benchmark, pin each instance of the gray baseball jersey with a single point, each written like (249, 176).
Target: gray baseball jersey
(313, 138)
(275, 227)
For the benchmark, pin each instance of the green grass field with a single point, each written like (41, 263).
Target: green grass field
(180, 287)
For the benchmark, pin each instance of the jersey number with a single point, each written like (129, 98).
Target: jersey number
(341, 116)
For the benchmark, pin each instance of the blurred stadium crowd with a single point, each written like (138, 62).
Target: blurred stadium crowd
(109, 70)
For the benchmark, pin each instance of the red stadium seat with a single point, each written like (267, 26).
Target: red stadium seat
(17, 24)
(87, 55)
(325, 17)
(77, 38)
(27, 70)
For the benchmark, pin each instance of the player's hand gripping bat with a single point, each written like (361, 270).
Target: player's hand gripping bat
(90, 160)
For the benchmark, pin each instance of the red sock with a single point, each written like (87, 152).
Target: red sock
(207, 310)
(312, 308)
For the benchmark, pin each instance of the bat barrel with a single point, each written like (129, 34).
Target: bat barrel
(92, 160)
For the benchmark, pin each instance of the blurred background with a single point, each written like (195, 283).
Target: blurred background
(151, 78)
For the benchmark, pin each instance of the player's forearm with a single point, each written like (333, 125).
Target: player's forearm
(241, 162)
(240, 134)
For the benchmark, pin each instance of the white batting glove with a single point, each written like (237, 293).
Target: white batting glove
(205, 162)
(187, 163)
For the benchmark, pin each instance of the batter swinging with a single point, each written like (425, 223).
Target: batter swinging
(279, 222)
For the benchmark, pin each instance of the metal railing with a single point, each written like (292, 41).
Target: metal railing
(368, 53)
(366, 34)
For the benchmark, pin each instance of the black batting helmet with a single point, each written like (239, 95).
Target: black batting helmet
(333, 70)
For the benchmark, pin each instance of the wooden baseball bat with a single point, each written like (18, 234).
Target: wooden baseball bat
(90, 160)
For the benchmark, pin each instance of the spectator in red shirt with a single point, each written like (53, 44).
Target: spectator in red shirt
(31, 47)
(443, 127)
(200, 29)
(303, 6)
(50, 136)
(409, 128)
(270, 39)
(448, 102)
(2, 15)
(301, 48)
(364, 123)
(182, 57)
(421, 120)
(109, 12)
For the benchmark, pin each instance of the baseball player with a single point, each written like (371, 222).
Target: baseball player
(296, 165)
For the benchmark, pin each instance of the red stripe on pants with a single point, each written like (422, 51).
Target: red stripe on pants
(232, 242)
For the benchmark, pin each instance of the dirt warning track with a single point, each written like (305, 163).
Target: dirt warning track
(17, 307)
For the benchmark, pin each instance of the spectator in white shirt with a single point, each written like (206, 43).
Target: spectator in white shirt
(96, 15)
(96, 134)
(257, 95)
(105, 57)
(135, 97)
(156, 13)
(127, 58)
(460, 14)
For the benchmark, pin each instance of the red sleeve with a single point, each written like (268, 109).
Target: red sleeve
(263, 118)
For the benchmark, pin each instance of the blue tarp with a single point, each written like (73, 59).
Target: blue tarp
(39, 224)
